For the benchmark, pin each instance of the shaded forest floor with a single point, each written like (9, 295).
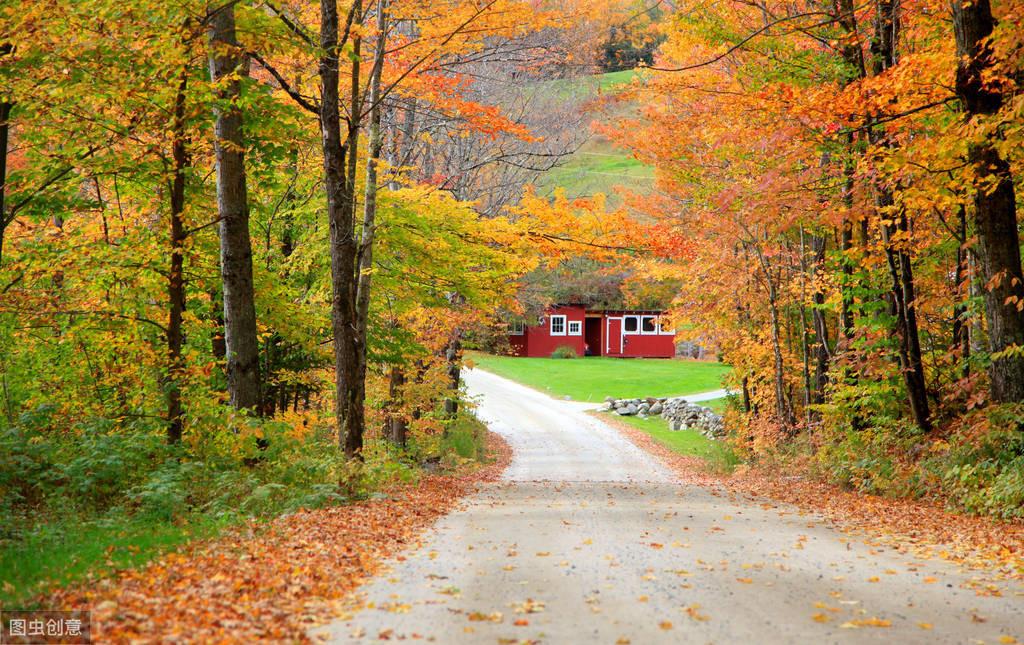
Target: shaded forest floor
(917, 528)
(273, 581)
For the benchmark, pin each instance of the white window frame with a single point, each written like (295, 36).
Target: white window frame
(671, 331)
(516, 328)
(562, 319)
(626, 332)
(578, 326)
(641, 325)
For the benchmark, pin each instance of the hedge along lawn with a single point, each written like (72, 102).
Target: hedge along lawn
(595, 377)
(685, 442)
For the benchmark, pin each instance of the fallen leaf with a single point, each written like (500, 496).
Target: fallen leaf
(528, 606)
(692, 612)
(867, 622)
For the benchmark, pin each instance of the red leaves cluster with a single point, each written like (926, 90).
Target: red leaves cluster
(273, 582)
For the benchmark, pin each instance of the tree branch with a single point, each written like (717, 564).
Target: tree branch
(289, 90)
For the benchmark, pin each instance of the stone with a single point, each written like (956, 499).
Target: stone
(677, 411)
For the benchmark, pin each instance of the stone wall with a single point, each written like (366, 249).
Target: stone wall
(679, 413)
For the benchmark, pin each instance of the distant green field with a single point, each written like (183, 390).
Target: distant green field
(598, 166)
(596, 377)
(588, 86)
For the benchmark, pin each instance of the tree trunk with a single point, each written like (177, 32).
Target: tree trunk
(822, 352)
(5, 115)
(233, 210)
(961, 341)
(217, 346)
(373, 160)
(745, 387)
(995, 207)
(903, 295)
(453, 356)
(5, 128)
(781, 408)
(338, 170)
(894, 221)
(176, 275)
(396, 426)
(805, 343)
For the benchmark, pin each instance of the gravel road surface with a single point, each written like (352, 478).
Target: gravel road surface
(588, 539)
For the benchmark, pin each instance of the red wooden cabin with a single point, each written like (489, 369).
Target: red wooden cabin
(624, 333)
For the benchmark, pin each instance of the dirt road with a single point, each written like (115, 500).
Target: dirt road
(589, 540)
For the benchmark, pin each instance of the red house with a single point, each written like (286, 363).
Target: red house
(634, 334)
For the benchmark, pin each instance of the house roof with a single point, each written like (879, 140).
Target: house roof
(650, 312)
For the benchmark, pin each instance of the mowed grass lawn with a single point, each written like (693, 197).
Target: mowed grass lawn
(596, 377)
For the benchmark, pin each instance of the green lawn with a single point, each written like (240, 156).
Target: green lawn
(593, 378)
(684, 442)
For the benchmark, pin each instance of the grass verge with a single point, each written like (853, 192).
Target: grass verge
(299, 570)
(467, 438)
(53, 552)
(691, 443)
(61, 552)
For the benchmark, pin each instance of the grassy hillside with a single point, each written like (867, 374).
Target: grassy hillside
(598, 166)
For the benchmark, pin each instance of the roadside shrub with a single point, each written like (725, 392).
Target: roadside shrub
(982, 468)
(165, 493)
(100, 464)
(564, 351)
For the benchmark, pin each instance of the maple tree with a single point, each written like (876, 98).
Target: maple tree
(843, 202)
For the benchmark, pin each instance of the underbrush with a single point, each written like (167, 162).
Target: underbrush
(564, 351)
(104, 496)
(974, 465)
